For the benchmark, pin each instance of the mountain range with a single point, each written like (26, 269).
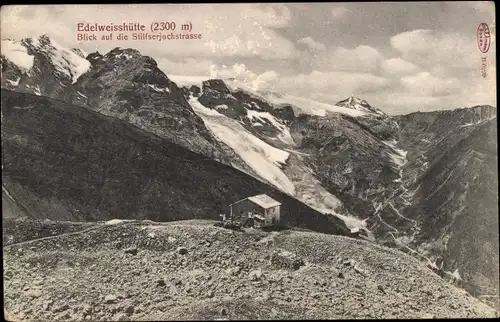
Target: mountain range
(90, 137)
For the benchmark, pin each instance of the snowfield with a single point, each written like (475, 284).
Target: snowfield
(263, 158)
(285, 135)
(17, 53)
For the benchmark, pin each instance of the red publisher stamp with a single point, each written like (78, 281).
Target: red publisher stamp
(483, 37)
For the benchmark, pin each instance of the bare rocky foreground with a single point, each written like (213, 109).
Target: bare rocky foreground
(194, 270)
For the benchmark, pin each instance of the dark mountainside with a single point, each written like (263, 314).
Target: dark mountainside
(424, 182)
(455, 192)
(353, 163)
(68, 163)
(442, 204)
(129, 86)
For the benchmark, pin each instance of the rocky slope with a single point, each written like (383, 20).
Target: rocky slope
(192, 270)
(66, 162)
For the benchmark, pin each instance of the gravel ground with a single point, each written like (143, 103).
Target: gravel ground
(194, 270)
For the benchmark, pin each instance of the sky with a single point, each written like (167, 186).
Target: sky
(400, 57)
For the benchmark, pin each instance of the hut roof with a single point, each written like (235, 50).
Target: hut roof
(264, 201)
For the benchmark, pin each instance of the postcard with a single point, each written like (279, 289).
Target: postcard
(249, 161)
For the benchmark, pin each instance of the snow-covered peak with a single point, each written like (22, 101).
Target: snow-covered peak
(359, 104)
(17, 53)
(65, 61)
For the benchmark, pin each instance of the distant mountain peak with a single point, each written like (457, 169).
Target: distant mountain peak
(119, 51)
(217, 85)
(359, 104)
(354, 103)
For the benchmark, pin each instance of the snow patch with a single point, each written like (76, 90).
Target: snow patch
(399, 159)
(127, 56)
(478, 122)
(399, 155)
(158, 89)
(221, 107)
(456, 275)
(263, 158)
(14, 83)
(37, 90)
(432, 264)
(284, 136)
(81, 94)
(17, 53)
(114, 222)
(23, 107)
(7, 192)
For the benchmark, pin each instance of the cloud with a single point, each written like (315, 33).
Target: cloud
(484, 8)
(339, 12)
(425, 84)
(238, 71)
(263, 80)
(415, 41)
(359, 59)
(243, 30)
(395, 103)
(311, 44)
(185, 66)
(430, 48)
(343, 84)
(450, 71)
(398, 66)
(242, 74)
